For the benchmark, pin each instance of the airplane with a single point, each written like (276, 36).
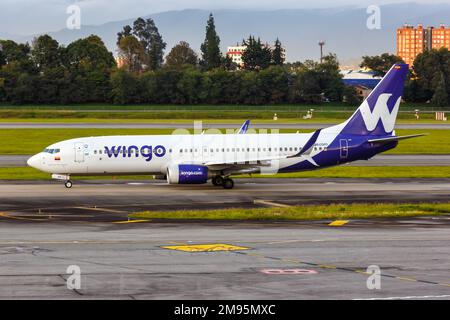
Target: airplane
(198, 158)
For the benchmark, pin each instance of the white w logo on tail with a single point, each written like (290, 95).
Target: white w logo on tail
(380, 111)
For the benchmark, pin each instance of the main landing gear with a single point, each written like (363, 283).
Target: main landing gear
(225, 182)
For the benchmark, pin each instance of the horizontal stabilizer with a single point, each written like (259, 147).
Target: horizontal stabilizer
(395, 138)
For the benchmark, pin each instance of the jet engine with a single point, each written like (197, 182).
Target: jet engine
(187, 174)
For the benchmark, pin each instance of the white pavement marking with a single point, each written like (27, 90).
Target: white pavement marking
(271, 203)
(408, 297)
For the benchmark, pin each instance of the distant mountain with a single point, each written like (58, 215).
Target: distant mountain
(344, 29)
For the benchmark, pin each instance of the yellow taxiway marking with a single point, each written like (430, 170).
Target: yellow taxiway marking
(324, 266)
(338, 223)
(5, 215)
(130, 221)
(271, 203)
(406, 279)
(206, 247)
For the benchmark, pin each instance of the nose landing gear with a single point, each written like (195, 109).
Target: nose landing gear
(63, 177)
(68, 184)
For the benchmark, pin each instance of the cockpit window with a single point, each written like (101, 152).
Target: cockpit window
(52, 151)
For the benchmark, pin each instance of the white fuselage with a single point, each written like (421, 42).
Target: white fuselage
(154, 153)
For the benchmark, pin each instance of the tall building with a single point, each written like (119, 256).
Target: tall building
(441, 37)
(412, 41)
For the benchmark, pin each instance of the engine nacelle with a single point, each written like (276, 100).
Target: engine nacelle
(187, 174)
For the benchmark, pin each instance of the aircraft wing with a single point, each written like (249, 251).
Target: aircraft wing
(245, 161)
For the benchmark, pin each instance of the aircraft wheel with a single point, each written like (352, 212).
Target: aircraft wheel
(228, 183)
(68, 184)
(217, 181)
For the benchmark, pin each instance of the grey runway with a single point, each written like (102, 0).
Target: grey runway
(379, 160)
(112, 201)
(45, 228)
(144, 261)
(13, 160)
(206, 125)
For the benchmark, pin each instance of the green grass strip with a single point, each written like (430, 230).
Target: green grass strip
(307, 212)
(31, 141)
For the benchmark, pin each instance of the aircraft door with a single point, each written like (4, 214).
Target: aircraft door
(344, 148)
(79, 151)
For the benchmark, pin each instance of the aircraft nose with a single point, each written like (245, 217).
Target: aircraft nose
(34, 161)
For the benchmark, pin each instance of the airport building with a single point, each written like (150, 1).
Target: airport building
(364, 81)
(411, 41)
(236, 52)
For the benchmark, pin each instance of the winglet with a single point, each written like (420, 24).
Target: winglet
(244, 127)
(308, 144)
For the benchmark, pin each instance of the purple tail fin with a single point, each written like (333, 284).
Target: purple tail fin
(377, 114)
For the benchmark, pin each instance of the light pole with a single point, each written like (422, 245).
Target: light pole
(321, 44)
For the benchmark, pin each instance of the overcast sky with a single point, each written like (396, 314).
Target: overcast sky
(34, 16)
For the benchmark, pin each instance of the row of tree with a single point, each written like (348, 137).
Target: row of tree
(189, 85)
(85, 71)
(141, 48)
(428, 81)
(49, 73)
